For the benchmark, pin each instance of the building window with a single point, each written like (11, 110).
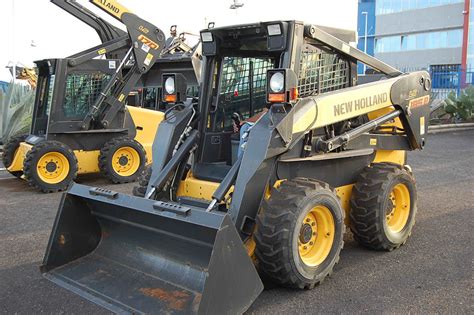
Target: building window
(420, 41)
(394, 6)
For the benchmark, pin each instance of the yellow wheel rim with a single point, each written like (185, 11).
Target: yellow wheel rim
(53, 167)
(399, 208)
(126, 161)
(316, 236)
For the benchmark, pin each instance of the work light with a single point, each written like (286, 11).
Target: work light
(281, 86)
(277, 82)
(206, 37)
(169, 85)
(174, 88)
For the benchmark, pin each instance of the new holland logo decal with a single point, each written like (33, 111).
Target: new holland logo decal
(360, 104)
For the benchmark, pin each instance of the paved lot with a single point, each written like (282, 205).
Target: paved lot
(433, 273)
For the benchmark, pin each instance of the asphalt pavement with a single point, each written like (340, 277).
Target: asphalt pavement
(432, 273)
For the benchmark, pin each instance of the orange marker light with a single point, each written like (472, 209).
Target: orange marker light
(274, 98)
(294, 94)
(170, 98)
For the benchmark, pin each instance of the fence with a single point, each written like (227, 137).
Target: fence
(448, 78)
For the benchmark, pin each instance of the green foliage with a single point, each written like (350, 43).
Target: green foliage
(461, 107)
(16, 109)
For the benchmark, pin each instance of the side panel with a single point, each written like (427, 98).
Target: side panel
(146, 123)
(88, 161)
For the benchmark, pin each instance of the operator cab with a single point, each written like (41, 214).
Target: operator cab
(238, 90)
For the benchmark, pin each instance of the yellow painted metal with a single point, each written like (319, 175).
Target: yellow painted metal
(126, 161)
(19, 157)
(112, 7)
(87, 161)
(250, 246)
(53, 167)
(344, 193)
(400, 211)
(196, 188)
(316, 249)
(199, 189)
(332, 107)
(385, 111)
(392, 156)
(146, 122)
(268, 191)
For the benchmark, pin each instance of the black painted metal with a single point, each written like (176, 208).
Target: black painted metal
(125, 255)
(228, 181)
(164, 174)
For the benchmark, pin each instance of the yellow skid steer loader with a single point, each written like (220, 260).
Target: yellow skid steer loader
(220, 207)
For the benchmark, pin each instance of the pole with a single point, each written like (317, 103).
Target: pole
(365, 37)
(13, 43)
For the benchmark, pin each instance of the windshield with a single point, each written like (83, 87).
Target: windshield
(241, 89)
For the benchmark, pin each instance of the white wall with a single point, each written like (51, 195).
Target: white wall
(57, 34)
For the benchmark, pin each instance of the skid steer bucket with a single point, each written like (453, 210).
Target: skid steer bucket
(134, 255)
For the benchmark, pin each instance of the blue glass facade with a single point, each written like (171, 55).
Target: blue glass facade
(470, 44)
(420, 41)
(393, 6)
(366, 8)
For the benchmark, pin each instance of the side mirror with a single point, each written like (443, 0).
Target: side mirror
(174, 88)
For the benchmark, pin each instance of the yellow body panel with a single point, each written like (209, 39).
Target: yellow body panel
(88, 161)
(395, 156)
(146, 123)
(344, 193)
(199, 189)
(20, 154)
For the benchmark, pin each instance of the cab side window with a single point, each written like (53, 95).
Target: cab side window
(242, 88)
(82, 90)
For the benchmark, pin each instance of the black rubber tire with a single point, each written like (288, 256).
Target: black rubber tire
(278, 226)
(143, 180)
(107, 152)
(9, 150)
(369, 201)
(32, 159)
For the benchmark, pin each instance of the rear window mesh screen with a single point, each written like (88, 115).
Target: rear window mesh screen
(322, 72)
(82, 90)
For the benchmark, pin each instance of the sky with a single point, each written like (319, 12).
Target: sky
(37, 29)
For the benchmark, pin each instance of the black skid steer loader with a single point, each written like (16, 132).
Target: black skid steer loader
(83, 119)
(221, 207)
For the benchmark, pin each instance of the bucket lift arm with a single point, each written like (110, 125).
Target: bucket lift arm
(144, 44)
(104, 29)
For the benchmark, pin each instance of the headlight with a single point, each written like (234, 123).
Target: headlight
(277, 82)
(169, 85)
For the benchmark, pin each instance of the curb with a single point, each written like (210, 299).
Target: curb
(450, 127)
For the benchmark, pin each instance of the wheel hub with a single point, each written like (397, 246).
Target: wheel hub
(51, 167)
(123, 160)
(306, 233)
